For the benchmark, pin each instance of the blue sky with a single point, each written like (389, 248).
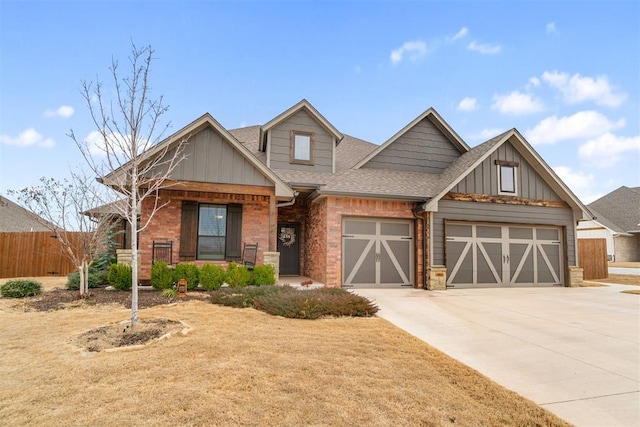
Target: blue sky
(565, 74)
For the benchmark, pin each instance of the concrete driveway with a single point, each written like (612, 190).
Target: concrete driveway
(573, 351)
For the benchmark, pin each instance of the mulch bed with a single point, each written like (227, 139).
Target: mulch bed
(59, 299)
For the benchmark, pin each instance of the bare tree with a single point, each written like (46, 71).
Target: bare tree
(122, 151)
(61, 207)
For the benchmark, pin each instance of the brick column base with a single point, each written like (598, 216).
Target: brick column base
(575, 277)
(273, 259)
(437, 278)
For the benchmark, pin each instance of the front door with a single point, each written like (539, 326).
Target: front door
(289, 248)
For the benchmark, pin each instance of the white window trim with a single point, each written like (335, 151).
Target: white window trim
(515, 181)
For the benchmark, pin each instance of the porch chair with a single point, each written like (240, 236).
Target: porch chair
(249, 255)
(163, 252)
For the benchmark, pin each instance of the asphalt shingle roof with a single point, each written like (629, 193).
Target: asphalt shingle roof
(15, 218)
(619, 210)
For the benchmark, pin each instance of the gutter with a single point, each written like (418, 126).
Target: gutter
(290, 202)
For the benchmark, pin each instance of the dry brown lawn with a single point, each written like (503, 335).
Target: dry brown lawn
(241, 367)
(48, 283)
(625, 264)
(619, 279)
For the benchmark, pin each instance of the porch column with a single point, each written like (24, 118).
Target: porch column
(273, 223)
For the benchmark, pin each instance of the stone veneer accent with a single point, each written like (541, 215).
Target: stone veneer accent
(437, 280)
(123, 256)
(575, 277)
(273, 259)
(165, 224)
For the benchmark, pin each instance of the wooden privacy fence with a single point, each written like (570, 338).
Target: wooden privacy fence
(593, 258)
(34, 254)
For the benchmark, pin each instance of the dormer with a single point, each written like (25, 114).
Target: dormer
(300, 139)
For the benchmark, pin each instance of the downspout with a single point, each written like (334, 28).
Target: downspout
(415, 211)
(290, 202)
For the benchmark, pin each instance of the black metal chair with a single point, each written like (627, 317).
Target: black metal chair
(249, 255)
(163, 252)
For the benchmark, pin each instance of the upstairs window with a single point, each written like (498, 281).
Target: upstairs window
(507, 178)
(302, 147)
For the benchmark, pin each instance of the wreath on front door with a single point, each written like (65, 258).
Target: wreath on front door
(287, 236)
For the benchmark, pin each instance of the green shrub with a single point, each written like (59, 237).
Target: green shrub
(161, 276)
(238, 276)
(120, 276)
(316, 303)
(97, 279)
(263, 275)
(20, 288)
(244, 297)
(212, 276)
(189, 272)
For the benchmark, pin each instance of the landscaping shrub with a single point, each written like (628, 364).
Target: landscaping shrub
(212, 276)
(97, 279)
(189, 272)
(20, 288)
(120, 276)
(263, 275)
(161, 275)
(238, 276)
(297, 304)
(316, 303)
(244, 297)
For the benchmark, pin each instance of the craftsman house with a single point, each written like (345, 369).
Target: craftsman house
(421, 210)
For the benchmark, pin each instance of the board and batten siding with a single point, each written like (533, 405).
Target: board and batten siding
(210, 158)
(484, 178)
(280, 144)
(423, 148)
(502, 214)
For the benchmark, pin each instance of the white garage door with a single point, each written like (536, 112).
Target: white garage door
(377, 253)
(490, 255)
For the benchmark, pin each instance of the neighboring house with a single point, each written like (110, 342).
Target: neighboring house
(15, 218)
(617, 219)
(421, 210)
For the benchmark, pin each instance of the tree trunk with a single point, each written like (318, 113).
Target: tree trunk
(83, 279)
(85, 282)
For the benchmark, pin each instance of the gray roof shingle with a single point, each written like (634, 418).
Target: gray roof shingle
(619, 210)
(15, 218)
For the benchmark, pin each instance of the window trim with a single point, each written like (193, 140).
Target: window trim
(513, 167)
(292, 147)
(225, 236)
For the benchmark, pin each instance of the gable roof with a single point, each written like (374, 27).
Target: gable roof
(619, 210)
(15, 218)
(281, 189)
(436, 119)
(302, 105)
(466, 163)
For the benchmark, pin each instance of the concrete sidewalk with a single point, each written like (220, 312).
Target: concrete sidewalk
(573, 351)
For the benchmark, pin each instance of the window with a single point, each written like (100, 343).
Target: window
(302, 147)
(507, 174)
(212, 231)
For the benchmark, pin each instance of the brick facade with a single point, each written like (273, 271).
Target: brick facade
(165, 225)
(627, 248)
(324, 223)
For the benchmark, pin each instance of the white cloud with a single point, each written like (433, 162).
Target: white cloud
(413, 49)
(534, 82)
(551, 28)
(582, 184)
(484, 48)
(119, 144)
(26, 138)
(577, 88)
(606, 150)
(516, 103)
(468, 104)
(486, 134)
(461, 34)
(64, 111)
(583, 124)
